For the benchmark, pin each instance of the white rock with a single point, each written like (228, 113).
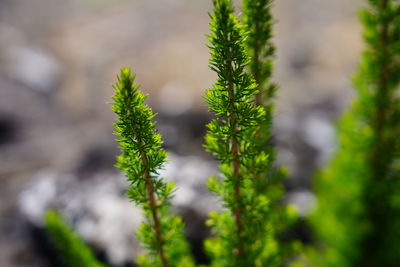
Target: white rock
(319, 133)
(33, 67)
(103, 216)
(175, 98)
(35, 199)
(303, 200)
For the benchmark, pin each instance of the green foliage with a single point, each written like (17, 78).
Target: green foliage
(141, 158)
(269, 178)
(358, 216)
(243, 237)
(72, 250)
(259, 22)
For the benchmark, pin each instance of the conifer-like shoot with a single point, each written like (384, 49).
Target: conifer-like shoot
(230, 139)
(358, 217)
(142, 156)
(72, 250)
(269, 177)
(259, 22)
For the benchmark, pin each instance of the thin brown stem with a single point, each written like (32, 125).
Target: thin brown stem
(154, 213)
(236, 175)
(237, 212)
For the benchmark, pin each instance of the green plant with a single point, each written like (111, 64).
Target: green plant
(141, 158)
(358, 216)
(258, 20)
(242, 236)
(259, 24)
(72, 250)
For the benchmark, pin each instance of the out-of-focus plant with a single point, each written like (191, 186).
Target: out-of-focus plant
(73, 252)
(243, 235)
(141, 158)
(357, 221)
(258, 21)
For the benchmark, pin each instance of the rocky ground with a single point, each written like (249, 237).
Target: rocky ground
(58, 60)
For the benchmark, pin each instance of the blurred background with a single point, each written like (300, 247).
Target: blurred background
(58, 60)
